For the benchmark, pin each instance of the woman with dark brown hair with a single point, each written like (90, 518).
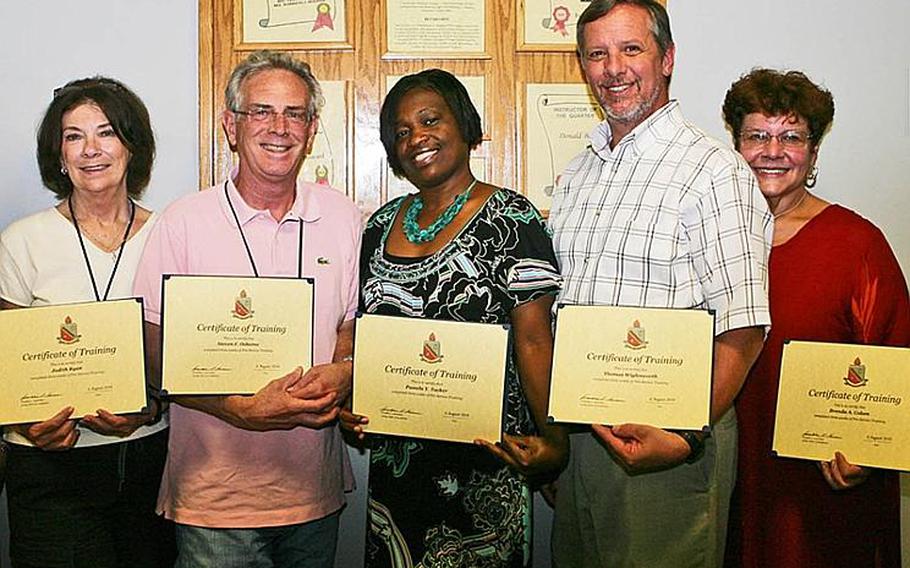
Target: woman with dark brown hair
(833, 278)
(82, 492)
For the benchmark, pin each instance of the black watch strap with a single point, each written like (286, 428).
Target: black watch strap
(696, 441)
(156, 400)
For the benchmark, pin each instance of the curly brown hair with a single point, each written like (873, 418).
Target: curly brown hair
(779, 93)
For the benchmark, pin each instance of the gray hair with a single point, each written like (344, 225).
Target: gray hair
(265, 60)
(660, 21)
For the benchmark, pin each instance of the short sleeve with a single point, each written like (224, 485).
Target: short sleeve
(730, 235)
(527, 267)
(879, 303)
(164, 253)
(353, 268)
(372, 239)
(17, 272)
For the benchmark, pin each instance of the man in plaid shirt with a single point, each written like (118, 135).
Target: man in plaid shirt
(654, 213)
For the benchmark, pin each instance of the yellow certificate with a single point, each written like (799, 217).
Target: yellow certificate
(616, 365)
(846, 398)
(431, 379)
(87, 356)
(232, 335)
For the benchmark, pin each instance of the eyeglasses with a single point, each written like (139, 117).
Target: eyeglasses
(263, 114)
(787, 139)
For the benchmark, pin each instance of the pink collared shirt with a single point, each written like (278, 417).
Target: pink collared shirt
(217, 475)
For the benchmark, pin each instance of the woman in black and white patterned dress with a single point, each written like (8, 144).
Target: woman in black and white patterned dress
(458, 250)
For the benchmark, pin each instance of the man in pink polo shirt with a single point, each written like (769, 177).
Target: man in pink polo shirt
(259, 480)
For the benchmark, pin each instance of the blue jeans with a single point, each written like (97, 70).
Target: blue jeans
(306, 545)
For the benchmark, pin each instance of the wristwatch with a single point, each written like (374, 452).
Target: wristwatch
(696, 441)
(159, 411)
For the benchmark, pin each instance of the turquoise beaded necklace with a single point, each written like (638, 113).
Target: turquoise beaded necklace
(412, 230)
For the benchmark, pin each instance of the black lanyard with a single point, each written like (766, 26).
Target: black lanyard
(246, 244)
(88, 264)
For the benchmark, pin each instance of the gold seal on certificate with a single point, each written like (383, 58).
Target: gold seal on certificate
(845, 398)
(616, 365)
(232, 335)
(433, 379)
(87, 356)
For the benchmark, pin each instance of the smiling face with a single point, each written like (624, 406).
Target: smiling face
(623, 65)
(271, 151)
(91, 150)
(428, 141)
(781, 171)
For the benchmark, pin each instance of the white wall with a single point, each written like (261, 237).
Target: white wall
(858, 50)
(148, 44)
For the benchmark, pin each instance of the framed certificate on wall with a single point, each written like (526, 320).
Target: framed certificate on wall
(555, 121)
(435, 29)
(292, 24)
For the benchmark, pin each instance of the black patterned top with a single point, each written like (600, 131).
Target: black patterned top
(440, 504)
(501, 259)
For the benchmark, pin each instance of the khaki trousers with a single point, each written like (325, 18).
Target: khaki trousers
(676, 518)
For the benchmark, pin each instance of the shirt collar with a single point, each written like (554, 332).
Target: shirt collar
(305, 207)
(658, 126)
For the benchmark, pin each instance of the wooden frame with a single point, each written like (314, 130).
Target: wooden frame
(364, 68)
(388, 54)
(207, 71)
(344, 45)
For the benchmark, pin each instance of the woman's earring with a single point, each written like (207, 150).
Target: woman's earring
(64, 171)
(812, 177)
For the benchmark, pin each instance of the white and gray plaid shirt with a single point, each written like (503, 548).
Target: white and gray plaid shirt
(669, 218)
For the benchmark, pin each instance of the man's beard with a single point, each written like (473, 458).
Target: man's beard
(636, 113)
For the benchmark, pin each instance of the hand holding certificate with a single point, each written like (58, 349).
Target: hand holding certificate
(844, 398)
(618, 365)
(232, 335)
(84, 356)
(431, 379)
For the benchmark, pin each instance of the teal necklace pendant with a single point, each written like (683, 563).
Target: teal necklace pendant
(412, 230)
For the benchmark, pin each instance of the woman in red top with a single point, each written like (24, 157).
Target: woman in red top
(833, 278)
